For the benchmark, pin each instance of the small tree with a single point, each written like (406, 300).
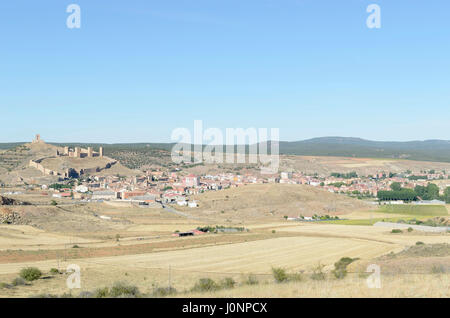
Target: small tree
(30, 273)
(280, 275)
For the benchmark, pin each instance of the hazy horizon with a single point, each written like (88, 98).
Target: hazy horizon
(134, 73)
(170, 142)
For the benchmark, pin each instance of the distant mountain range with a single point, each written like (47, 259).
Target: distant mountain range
(428, 150)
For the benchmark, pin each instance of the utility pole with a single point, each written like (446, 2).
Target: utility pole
(170, 278)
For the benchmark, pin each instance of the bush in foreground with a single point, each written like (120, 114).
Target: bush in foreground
(206, 285)
(163, 291)
(251, 280)
(123, 290)
(340, 267)
(228, 283)
(281, 276)
(318, 273)
(30, 273)
(118, 290)
(5, 286)
(18, 281)
(438, 269)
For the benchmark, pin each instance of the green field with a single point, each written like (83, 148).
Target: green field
(416, 210)
(368, 222)
(419, 212)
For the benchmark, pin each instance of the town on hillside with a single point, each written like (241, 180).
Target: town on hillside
(173, 186)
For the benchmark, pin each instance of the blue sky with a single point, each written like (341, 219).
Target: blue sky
(137, 69)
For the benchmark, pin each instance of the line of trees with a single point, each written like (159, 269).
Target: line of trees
(348, 175)
(429, 192)
(406, 195)
(447, 195)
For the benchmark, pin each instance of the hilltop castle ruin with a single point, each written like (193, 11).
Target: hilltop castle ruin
(75, 152)
(78, 152)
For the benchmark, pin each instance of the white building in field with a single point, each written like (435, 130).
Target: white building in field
(192, 204)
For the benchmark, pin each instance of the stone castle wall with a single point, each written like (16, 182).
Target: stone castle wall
(36, 164)
(77, 152)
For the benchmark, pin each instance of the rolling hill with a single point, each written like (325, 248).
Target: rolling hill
(428, 150)
(136, 155)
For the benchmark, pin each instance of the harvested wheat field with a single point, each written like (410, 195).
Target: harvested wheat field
(28, 238)
(370, 233)
(295, 253)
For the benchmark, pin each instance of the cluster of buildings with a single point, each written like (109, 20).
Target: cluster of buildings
(172, 187)
(367, 185)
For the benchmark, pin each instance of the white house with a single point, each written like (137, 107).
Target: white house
(81, 189)
(192, 204)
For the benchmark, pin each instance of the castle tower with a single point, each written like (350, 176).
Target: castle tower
(100, 152)
(37, 139)
(66, 151)
(90, 152)
(77, 152)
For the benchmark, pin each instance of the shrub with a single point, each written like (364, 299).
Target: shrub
(101, 292)
(54, 203)
(163, 291)
(54, 271)
(296, 277)
(420, 243)
(251, 280)
(5, 285)
(438, 269)
(122, 290)
(318, 273)
(340, 267)
(18, 281)
(280, 275)
(30, 273)
(228, 283)
(396, 231)
(410, 229)
(75, 246)
(206, 285)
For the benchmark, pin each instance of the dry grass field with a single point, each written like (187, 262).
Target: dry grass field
(136, 246)
(428, 285)
(272, 202)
